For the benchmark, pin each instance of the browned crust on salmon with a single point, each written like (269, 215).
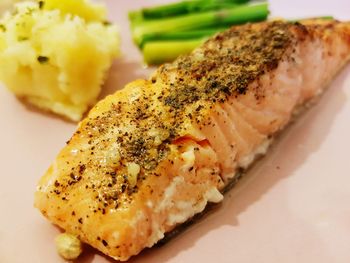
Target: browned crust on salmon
(178, 96)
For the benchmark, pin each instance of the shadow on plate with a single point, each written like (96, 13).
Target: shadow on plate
(46, 113)
(302, 139)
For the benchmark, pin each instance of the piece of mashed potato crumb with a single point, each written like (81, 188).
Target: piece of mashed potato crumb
(68, 246)
(55, 53)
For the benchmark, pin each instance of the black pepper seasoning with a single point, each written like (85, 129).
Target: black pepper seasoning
(44, 60)
(227, 64)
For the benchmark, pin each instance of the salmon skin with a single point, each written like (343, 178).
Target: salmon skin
(154, 154)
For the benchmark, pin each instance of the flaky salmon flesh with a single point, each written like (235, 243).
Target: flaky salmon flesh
(154, 154)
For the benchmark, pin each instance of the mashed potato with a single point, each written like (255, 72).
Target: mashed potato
(55, 53)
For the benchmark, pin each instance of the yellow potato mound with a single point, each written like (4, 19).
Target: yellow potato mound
(55, 53)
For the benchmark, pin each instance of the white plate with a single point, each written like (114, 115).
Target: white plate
(292, 207)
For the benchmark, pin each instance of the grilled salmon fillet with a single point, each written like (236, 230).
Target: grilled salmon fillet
(154, 154)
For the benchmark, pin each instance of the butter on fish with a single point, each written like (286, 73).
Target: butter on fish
(184, 134)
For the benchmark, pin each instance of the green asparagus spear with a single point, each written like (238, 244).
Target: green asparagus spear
(183, 35)
(218, 18)
(183, 7)
(157, 52)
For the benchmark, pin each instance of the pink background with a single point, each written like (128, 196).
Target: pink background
(294, 206)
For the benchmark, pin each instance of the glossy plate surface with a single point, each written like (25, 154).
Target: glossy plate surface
(293, 206)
